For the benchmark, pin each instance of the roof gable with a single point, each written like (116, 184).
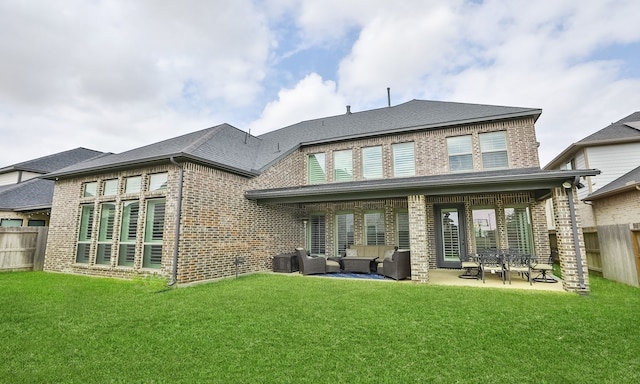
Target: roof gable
(625, 182)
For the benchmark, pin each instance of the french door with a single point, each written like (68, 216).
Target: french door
(451, 240)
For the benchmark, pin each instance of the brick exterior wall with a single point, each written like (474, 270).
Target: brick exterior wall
(622, 208)
(218, 224)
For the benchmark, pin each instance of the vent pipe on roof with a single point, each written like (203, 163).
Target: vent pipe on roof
(389, 97)
(348, 110)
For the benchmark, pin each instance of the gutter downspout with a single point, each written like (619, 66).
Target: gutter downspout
(174, 268)
(576, 238)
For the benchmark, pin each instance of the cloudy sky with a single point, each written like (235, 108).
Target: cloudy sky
(118, 74)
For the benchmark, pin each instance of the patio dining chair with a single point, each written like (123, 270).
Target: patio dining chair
(491, 262)
(519, 263)
(544, 268)
(471, 267)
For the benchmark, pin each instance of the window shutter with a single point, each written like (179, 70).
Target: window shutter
(372, 163)
(344, 231)
(519, 232)
(403, 159)
(402, 222)
(460, 153)
(374, 228)
(342, 165)
(494, 150)
(317, 234)
(316, 169)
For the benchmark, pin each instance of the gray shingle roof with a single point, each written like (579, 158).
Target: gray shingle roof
(223, 146)
(617, 130)
(53, 162)
(625, 182)
(412, 115)
(230, 148)
(31, 194)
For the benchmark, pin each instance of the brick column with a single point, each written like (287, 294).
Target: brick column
(418, 238)
(566, 243)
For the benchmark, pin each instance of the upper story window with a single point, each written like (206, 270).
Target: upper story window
(342, 165)
(158, 181)
(372, 162)
(404, 163)
(10, 222)
(494, 150)
(90, 189)
(110, 187)
(460, 153)
(316, 168)
(132, 184)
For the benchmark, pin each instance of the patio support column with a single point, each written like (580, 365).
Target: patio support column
(418, 238)
(570, 241)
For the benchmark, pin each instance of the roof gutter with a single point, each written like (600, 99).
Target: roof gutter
(176, 240)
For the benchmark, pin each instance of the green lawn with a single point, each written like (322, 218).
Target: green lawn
(272, 328)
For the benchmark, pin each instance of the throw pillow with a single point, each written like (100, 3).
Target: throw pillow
(352, 252)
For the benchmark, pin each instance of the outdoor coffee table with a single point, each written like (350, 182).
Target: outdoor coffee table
(358, 264)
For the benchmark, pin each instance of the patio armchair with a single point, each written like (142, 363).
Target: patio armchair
(398, 266)
(491, 262)
(544, 269)
(311, 265)
(519, 263)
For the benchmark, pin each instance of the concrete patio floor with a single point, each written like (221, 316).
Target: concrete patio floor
(450, 277)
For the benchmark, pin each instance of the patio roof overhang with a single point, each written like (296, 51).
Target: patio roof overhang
(533, 180)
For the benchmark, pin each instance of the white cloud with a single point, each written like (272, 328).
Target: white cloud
(310, 98)
(147, 68)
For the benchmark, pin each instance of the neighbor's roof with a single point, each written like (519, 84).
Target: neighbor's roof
(229, 148)
(53, 162)
(32, 194)
(626, 182)
(622, 131)
(533, 180)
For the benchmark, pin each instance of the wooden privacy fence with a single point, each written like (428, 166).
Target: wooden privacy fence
(22, 248)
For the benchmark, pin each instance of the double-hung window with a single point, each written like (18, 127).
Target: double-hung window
(402, 230)
(153, 233)
(128, 232)
(105, 233)
(404, 163)
(374, 228)
(316, 168)
(460, 153)
(84, 236)
(344, 232)
(494, 150)
(372, 163)
(518, 228)
(317, 232)
(342, 165)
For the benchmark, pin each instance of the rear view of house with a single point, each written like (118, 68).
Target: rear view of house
(441, 179)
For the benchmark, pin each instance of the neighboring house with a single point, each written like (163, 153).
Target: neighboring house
(25, 199)
(442, 179)
(616, 207)
(615, 151)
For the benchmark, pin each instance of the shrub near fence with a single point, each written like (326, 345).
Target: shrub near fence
(22, 248)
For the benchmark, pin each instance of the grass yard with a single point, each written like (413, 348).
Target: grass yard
(269, 328)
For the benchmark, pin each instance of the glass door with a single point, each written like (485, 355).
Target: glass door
(451, 239)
